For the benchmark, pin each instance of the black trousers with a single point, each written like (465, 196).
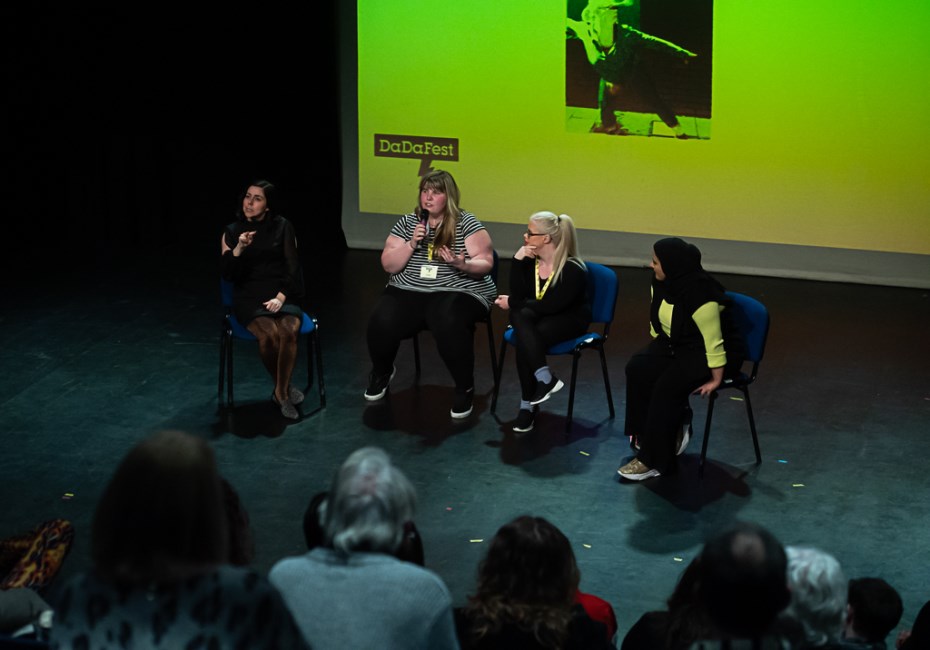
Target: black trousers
(534, 335)
(659, 381)
(449, 315)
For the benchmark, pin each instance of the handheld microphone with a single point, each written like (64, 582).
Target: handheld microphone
(424, 215)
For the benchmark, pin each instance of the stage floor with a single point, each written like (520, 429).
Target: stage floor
(95, 361)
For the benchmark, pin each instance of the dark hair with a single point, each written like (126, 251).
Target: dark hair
(529, 578)
(162, 517)
(876, 608)
(271, 197)
(241, 541)
(314, 534)
(688, 620)
(743, 579)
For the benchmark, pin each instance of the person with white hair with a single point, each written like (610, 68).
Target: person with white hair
(818, 596)
(352, 591)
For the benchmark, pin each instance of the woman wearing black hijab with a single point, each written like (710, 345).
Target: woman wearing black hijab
(691, 351)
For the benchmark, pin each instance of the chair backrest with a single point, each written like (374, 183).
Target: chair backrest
(752, 319)
(602, 288)
(494, 267)
(226, 292)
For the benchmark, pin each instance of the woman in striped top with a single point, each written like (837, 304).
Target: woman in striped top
(439, 258)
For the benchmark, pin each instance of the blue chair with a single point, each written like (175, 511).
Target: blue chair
(487, 320)
(602, 290)
(752, 320)
(232, 329)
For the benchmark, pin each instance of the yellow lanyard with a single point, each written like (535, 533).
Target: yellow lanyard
(541, 292)
(429, 251)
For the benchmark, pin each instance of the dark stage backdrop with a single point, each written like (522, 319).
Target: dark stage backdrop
(132, 131)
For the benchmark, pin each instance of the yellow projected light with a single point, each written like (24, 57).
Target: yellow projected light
(789, 116)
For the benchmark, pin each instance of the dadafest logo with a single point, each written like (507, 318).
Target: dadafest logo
(425, 149)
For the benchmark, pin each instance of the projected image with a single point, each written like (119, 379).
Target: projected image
(639, 67)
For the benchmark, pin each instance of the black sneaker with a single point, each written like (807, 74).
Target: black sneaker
(461, 407)
(524, 422)
(378, 385)
(544, 391)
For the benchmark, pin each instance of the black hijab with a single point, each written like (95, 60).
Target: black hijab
(685, 278)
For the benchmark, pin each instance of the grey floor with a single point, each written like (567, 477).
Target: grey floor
(95, 361)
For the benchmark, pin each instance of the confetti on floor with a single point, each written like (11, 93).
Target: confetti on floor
(797, 485)
(476, 541)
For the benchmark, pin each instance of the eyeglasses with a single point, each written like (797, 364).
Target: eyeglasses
(529, 234)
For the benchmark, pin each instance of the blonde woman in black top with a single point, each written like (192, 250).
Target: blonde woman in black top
(548, 303)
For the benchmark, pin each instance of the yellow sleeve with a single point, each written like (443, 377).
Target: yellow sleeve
(707, 318)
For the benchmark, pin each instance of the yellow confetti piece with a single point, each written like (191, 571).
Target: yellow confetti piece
(586, 545)
(736, 399)
(476, 541)
(584, 453)
(678, 559)
(797, 485)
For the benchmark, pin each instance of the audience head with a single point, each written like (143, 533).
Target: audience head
(241, 542)
(743, 580)
(530, 561)
(162, 517)
(818, 594)
(370, 502)
(875, 609)
(529, 576)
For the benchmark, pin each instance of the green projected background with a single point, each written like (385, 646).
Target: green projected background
(819, 113)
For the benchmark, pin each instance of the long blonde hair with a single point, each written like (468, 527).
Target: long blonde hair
(561, 230)
(442, 181)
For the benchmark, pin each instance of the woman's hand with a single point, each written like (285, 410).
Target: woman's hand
(419, 234)
(716, 378)
(503, 302)
(457, 262)
(274, 305)
(245, 239)
(525, 251)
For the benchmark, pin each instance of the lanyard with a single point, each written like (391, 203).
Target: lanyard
(541, 292)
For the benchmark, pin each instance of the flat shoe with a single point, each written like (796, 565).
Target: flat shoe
(294, 396)
(288, 410)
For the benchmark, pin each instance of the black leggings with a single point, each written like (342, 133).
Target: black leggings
(534, 335)
(658, 384)
(449, 315)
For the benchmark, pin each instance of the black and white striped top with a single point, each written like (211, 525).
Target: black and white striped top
(447, 277)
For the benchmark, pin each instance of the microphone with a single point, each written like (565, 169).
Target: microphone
(424, 215)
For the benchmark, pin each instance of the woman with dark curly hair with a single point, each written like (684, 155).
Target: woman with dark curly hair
(527, 587)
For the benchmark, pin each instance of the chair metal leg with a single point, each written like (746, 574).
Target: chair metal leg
(497, 374)
(610, 399)
(710, 414)
(315, 344)
(491, 351)
(224, 341)
(752, 426)
(229, 373)
(571, 392)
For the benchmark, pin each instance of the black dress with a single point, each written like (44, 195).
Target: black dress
(269, 265)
